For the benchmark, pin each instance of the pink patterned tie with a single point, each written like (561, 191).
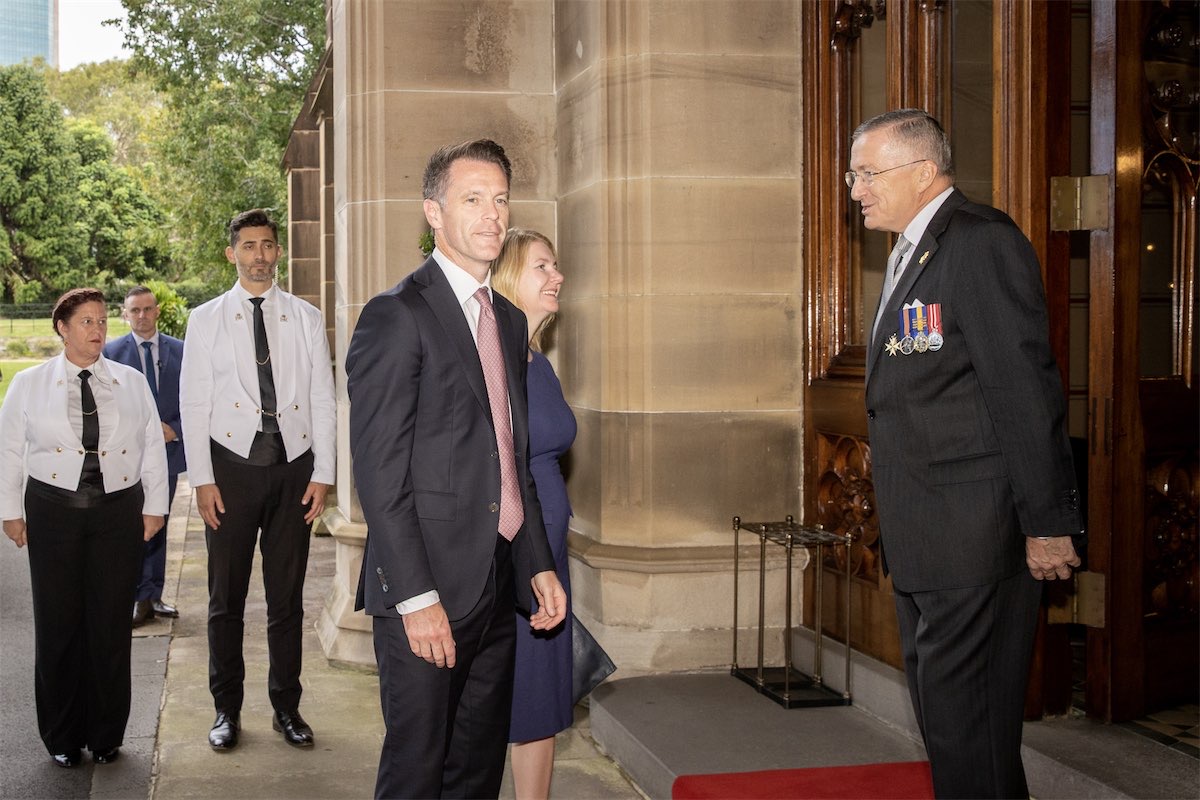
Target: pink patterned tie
(491, 358)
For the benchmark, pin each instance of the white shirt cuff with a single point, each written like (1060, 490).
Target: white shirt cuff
(424, 600)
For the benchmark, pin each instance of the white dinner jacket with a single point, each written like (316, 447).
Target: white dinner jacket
(36, 437)
(218, 384)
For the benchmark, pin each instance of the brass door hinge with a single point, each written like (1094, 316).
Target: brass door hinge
(1079, 204)
(1081, 601)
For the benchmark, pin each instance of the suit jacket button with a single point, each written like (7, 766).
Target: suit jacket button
(125, 478)
(123, 451)
(379, 570)
(304, 436)
(385, 587)
(58, 449)
(494, 507)
(54, 476)
(103, 452)
(80, 452)
(237, 405)
(228, 435)
(295, 408)
(870, 413)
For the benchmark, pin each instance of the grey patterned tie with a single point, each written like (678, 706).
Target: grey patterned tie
(889, 278)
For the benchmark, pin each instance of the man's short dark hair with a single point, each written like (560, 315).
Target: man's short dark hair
(917, 129)
(254, 218)
(139, 289)
(65, 306)
(433, 185)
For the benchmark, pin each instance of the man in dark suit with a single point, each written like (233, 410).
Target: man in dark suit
(158, 356)
(972, 467)
(439, 438)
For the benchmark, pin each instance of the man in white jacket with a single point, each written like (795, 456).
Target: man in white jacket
(259, 421)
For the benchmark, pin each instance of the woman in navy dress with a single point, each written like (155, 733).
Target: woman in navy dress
(526, 272)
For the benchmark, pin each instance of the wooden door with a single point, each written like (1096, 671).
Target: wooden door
(990, 73)
(1144, 478)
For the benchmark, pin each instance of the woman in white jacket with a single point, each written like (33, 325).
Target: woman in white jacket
(83, 482)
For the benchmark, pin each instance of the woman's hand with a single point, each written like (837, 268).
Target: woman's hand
(151, 524)
(15, 530)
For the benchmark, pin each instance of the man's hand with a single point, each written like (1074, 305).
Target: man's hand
(151, 524)
(552, 601)
(429, 635)
(168, 433)
(315, 494)
(15, 530)
(208, 501)
(1050, 558)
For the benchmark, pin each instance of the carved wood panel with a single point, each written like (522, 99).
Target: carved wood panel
(846, 504)
(1172, 581)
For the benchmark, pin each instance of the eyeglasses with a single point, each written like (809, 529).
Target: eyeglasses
(869, 177)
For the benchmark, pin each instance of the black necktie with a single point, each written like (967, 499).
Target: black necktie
(266, 380)
(91, 434)
(151, 375)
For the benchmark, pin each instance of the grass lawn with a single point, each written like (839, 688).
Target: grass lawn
(42, 327)
(10, 368)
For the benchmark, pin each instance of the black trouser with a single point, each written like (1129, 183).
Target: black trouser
(447, 729)
(966, 657)
(266, 498)
(153, 575)
(83, 565)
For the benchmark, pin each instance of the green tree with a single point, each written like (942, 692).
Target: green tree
(118, 99)
(126, 230)
(42, 236)
(234, 74)
(173, 310)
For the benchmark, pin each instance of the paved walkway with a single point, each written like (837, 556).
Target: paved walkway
(166, 753)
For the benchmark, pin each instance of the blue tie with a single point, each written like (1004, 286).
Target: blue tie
(151, 378)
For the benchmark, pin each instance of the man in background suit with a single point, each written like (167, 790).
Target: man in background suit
(973, 476)
(159, 357)
(260, 426)
(439, 435)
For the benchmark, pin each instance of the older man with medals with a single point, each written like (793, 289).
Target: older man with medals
(972, 466)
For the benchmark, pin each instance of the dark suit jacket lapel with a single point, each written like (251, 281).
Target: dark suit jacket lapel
(440, 297)
(164, 356)
(921, 257)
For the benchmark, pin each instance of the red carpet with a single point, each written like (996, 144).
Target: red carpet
(903, 780)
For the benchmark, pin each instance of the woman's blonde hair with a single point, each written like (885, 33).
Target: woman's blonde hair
(506, 273)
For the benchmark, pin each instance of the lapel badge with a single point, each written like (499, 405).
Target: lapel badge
(924, 258)
(238, 315)
(60, 383)
(283, 317)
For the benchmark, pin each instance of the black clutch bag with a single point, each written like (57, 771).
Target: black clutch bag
(590, 664)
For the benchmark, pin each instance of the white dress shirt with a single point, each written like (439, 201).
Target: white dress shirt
(155, 358)
(41, 433)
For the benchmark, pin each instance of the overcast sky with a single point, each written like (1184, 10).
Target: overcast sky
(81, 37)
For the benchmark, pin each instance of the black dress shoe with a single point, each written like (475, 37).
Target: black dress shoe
(224, 733)
(161, 609)
(142, 611)
(293, 727)
(106, 756)
(67, 759)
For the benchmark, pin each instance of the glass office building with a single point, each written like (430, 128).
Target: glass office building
(28, 29)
